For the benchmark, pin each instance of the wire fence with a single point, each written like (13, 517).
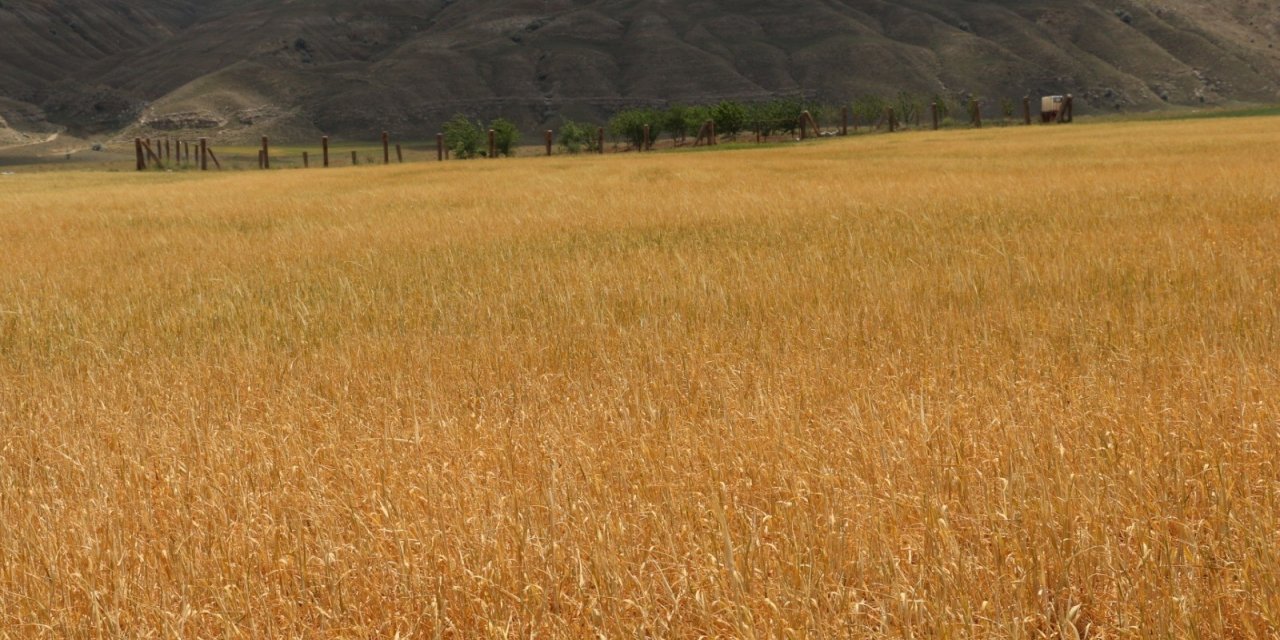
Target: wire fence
(628, 131)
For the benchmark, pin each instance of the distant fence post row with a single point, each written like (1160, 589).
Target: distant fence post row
(150, 154)
(147, 155)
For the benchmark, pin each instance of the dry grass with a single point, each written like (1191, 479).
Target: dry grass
(1012, 384)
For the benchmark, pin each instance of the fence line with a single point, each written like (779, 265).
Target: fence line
(157, 153)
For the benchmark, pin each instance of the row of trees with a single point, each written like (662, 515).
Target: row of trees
(467, 139)
(681, 122)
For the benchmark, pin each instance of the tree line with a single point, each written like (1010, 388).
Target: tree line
(680, 122)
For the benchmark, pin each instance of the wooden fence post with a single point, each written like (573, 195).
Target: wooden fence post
(439, 147)
(355, 161)
(645, 146)
(844, 121)
(600, 140)
(141, 160)
(204, 154)
(266, 153)
(186, 152)
(1026, 110)
(933, 109)
(493, 144)
(893, 120)
(550, 136)
(146, 146)
(1069, 109)
(712, 138)
(976, 111)
(399, 154)
(306, 160)
(386, 148)
(324, 151)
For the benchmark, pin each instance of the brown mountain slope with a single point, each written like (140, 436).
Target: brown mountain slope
(354, 66)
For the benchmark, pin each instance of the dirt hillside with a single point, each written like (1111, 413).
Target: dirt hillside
(240, 67)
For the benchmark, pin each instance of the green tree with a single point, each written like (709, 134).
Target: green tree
(730, 118)
(576, 137)
(910, 108)
(629, 125)
(505, 136)
(870, 109)
(463, 137)
(782, 115)
(694, 118)
(816, 109)
(673, 123)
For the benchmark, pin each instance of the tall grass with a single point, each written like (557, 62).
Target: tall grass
(1011, 384)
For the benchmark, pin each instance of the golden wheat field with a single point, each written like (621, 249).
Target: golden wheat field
(1019, 383)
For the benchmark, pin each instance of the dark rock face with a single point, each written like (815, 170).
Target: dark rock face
(191, 120)
(353, 66)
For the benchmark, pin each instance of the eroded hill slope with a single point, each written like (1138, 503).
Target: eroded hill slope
(350, 66)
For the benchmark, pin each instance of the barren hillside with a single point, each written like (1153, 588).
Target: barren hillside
(238, 67)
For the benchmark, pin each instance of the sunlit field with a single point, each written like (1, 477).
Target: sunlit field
(1009, 383)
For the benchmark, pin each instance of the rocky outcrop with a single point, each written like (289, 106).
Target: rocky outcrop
(189, 120)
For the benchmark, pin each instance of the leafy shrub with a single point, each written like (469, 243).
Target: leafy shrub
(870, 109)
(782, 115)
(576, 137)
(505, 136)
(463, 137)
(817, 110)
(629, 125)
(910, 108)
(694, 119)
(730, 118)
(681, 121)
